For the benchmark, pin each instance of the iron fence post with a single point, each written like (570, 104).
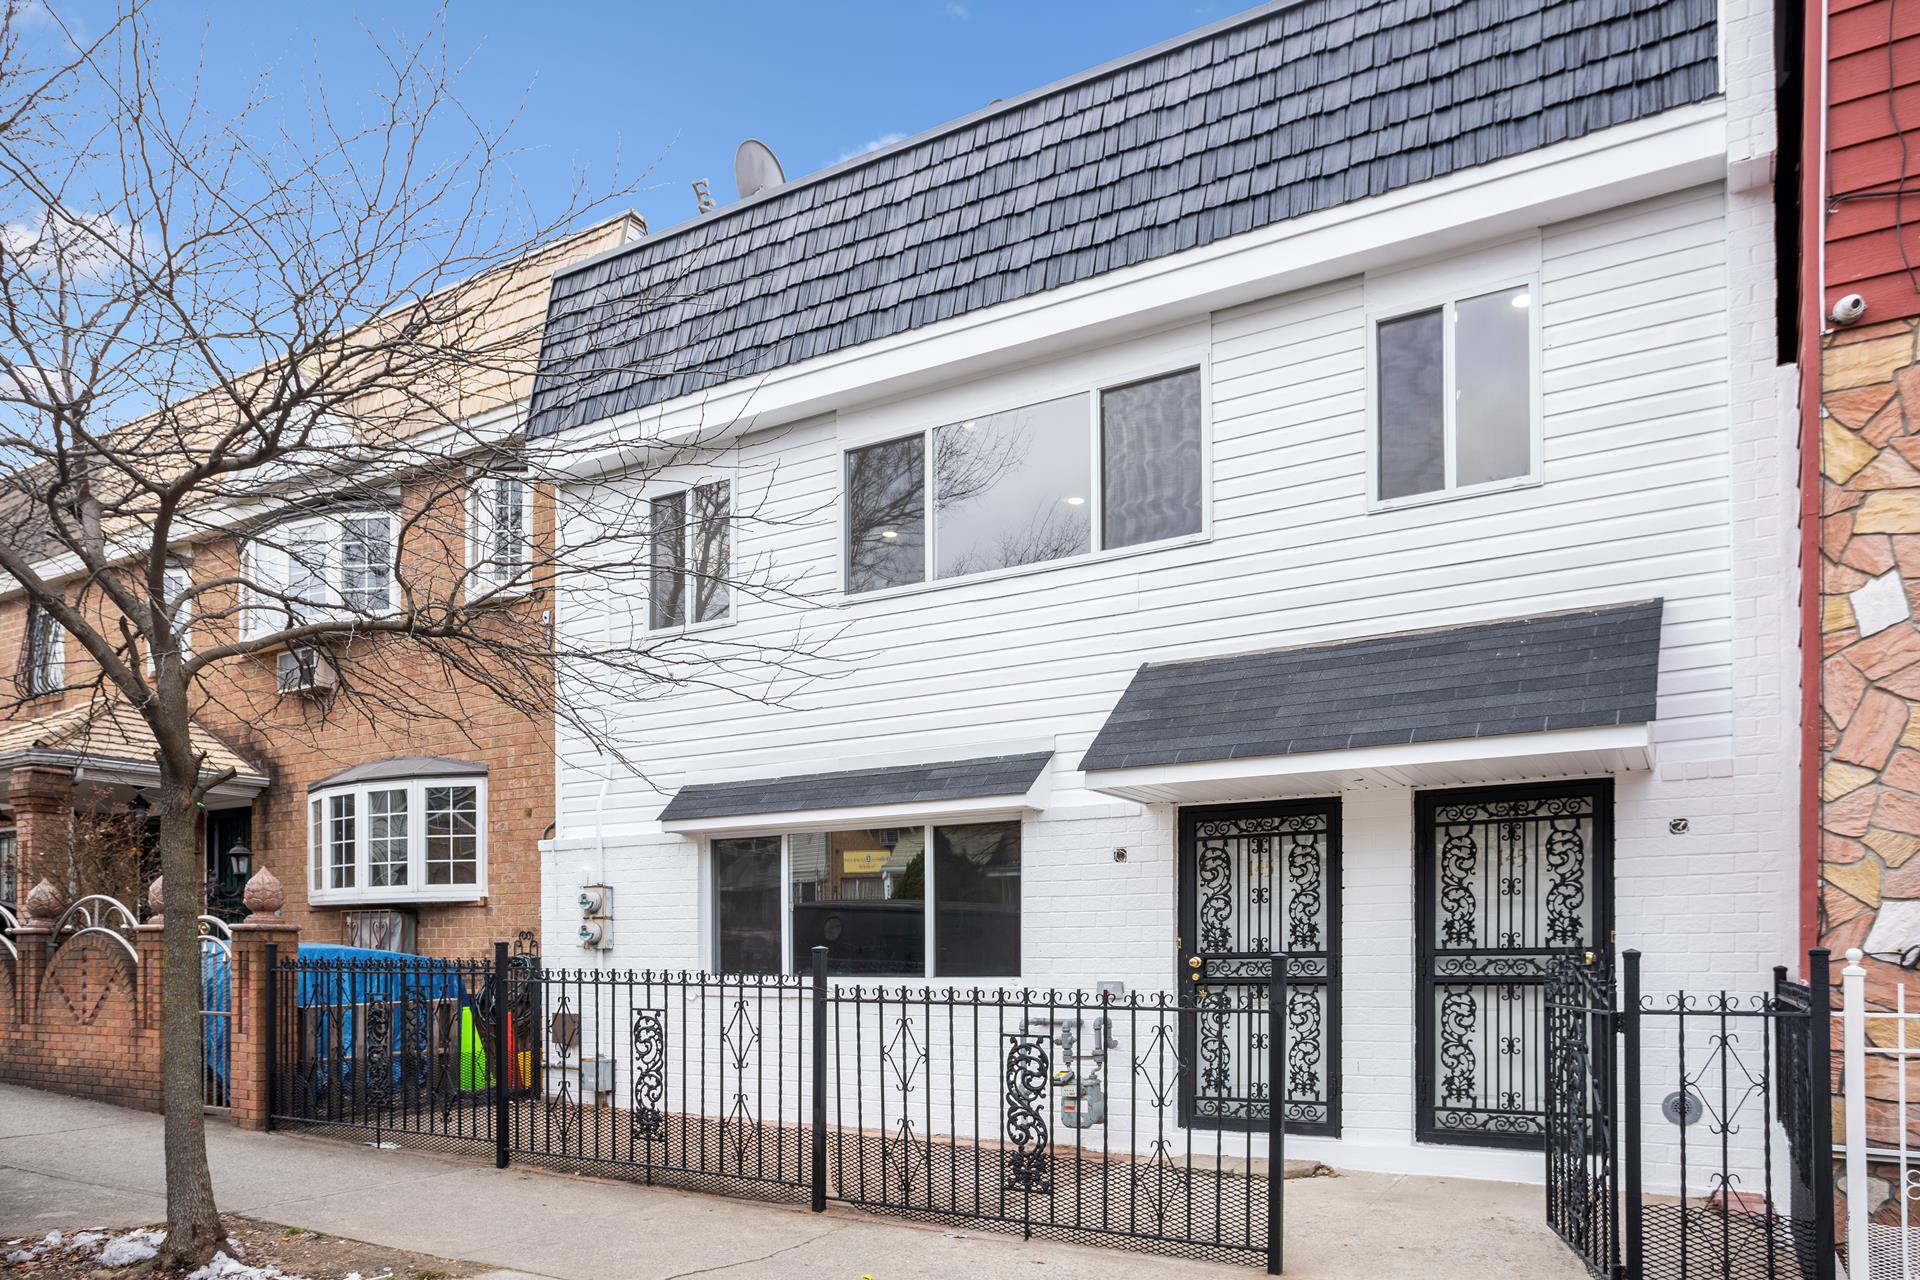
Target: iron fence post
(817, 1136)
(1820, 1098)
(270, 1026)
(1630, 1112)
(1276, 1105)
(502, 1056)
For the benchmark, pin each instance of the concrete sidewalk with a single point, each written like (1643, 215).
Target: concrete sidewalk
(66, 1163)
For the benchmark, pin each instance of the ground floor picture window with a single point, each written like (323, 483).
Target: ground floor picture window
(883, 901)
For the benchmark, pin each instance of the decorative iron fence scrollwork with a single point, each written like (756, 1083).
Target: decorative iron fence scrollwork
(1054, 1113)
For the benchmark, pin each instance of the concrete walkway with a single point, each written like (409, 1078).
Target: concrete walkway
(66, 1163)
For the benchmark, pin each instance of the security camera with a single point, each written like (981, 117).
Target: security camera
(1848, 309)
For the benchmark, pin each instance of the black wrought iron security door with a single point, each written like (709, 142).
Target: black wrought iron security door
(1511, 879)
(1256, 880)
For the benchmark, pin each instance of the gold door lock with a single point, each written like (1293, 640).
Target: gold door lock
(1193, 962)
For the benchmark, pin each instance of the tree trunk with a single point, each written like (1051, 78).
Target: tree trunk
(193, 1224)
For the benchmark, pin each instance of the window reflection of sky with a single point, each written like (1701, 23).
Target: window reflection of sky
(1005, 485)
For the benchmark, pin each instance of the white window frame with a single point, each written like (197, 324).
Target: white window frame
(685, 491)
(44, 665)
(710, 933)
(178, 571)
(1188, 361)
(265, 615)
(481, 516)
(319, 863)
(1445, 299)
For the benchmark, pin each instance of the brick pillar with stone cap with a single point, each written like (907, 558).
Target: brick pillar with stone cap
(253, 988)
(42, 802)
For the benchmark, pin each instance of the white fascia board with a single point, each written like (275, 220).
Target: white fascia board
(974, 809)
(1668, 152)
(1629, 747)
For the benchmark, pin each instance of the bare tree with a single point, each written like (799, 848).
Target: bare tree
(304, 349)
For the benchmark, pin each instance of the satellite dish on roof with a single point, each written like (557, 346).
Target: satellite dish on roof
(755, 168)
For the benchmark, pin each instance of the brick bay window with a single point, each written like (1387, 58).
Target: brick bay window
(922, 901)
(407, 829)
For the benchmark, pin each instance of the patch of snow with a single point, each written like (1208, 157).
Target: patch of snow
(134, 1246)
(224, 1267)
(383, 1146)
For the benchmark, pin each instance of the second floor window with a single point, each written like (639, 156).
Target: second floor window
(320, 567)
(1453, 395)
(688, 569)
(500, 516)
(43, 665)
(1118, 467)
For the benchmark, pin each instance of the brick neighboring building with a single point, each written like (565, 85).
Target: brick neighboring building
(79, 750)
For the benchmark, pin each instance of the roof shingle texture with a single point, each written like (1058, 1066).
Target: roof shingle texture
(106, 730)
(1521, 675)
(907, 784)
(1294, 108)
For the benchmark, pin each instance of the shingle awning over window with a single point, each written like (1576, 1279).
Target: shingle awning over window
(1414, 708)
(982, 785)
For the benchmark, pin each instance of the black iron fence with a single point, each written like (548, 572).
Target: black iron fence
(1690, 1135)
(1050, 1113)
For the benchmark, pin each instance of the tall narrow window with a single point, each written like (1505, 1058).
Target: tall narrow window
(366, 563)
(387, 837)
(667, 597)
(9, 867)
(746, 881)
(887, 515)
(1453, 400)
(976, 900)
(340, 842)
(501, 516)
(1151, 451)
(689, 563)
(43, 665)
(453, 835)
(316, 846)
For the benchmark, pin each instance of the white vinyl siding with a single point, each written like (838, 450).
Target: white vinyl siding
(1632, 503)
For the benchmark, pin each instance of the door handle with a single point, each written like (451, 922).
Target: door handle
(1193, 962)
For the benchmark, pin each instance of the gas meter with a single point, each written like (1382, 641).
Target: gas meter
(1081, 1078)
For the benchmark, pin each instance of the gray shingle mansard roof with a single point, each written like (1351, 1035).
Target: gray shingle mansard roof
(908, 784)
(1521, 675)
(1291, 108)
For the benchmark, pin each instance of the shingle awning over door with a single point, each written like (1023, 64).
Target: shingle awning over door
(981, 787)
(1550, 695)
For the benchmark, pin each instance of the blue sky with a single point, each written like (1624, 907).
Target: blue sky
(680, 84)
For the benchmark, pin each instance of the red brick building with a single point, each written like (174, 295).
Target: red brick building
(384, 829)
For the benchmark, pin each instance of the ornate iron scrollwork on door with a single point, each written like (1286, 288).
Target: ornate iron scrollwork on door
(1028, 1166)
(1511, 880)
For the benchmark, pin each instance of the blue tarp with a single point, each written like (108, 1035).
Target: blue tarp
(216, 999)
(334, 979)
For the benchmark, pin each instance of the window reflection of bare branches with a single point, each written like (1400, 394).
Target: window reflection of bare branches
(691, 534)
(1019, 487)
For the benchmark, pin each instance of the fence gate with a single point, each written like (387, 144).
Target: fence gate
(1689, 1134)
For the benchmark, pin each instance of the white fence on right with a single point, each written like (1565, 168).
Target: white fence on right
(1881, 1050)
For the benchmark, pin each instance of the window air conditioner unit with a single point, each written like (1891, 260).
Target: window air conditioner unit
(308, 672)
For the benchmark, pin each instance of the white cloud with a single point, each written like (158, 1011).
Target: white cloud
(80, 247)
(884, 140)
(958, 11)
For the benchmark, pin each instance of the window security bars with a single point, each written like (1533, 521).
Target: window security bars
(1688, 1134)
(1049, 1113)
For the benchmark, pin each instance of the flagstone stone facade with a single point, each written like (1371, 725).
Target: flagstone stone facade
(1870, 624)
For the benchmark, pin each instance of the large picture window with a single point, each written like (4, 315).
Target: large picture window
(883, 901)
(376, 837)
(1453, 395)
(1119, 466)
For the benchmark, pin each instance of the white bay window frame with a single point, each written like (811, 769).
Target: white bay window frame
(325, 805)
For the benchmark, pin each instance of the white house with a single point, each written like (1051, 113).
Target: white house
(1320, 485)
